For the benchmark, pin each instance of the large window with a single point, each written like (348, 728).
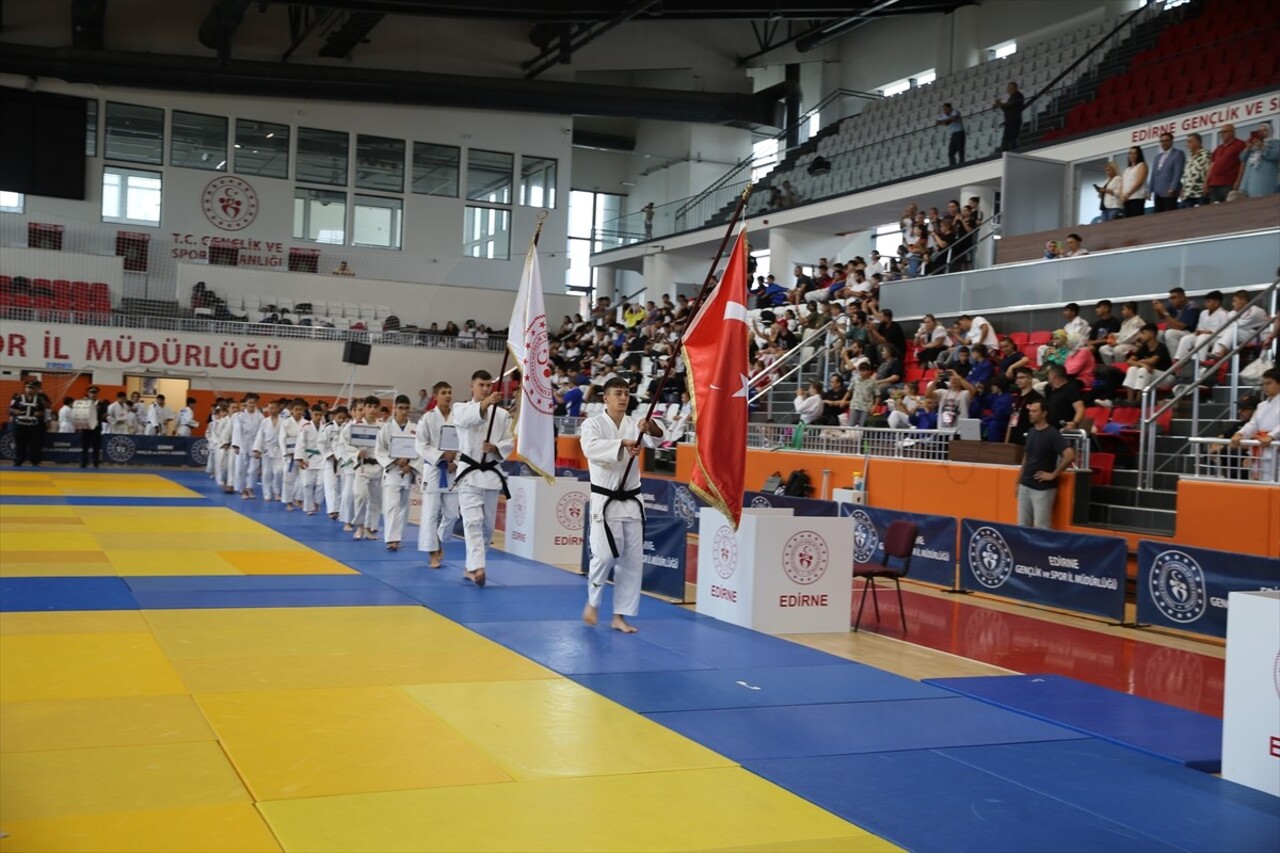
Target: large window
(537, 182)
(322, 156)
(91, 128)
(198, 141)
(262, 148)
(131, 196)
(1003, 50)
(435, 169)
(897, 87)
(588, 214)
(319, 216)
(487, 233)
(377, 221)
(379, 163)
(12, 202)
(489, 176)
(135, 134)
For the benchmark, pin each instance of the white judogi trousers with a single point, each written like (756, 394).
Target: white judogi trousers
(367, 506)
(310, 486)
(396, 488)
(628, 568)
(479, 508)
(271, 477)
(332, 487)
(440, 512)
(347, 497)
(246, 469)
(291, 490)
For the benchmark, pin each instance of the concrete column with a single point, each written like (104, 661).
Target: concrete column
(659, 276)
(606, 282)
(985, 256)
(783, 255)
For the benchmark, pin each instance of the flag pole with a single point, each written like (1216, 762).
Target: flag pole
(707, 284)
(506, 351)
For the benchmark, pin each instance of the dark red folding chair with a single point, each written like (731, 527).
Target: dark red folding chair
(899, 542)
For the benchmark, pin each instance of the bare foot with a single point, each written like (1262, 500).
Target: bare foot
(620, 624)
(590, 615)
(288, 507)
(393, 546)
(436, 557)
(333, 516)
(359, 534)
(476, 577)
(347, 528)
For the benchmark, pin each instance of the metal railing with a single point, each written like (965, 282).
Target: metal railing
(1248, 461)
(801, 362)
(244, 329)
(1151, 412)
(927, 444)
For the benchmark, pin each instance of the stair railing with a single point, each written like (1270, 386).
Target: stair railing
(1151, 412)
(796, 368)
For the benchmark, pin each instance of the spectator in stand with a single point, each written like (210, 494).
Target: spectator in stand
(343, 269)
(864, 395)
(930, 340)
(1118, 346)
(1260, 159)
(1133, 184)
(1019, 423)
(1075, 247)
(1064, 402)
(1253, 321)
(1073, 324)
(1047, 455)
(1179, 314)
(954, 395)
(1196, 174)
(1011, 358)
(889, 372)
(1211, 321)
(771, 295)
(1081, 365)
(790, 198)
(1012, 107)
(633, 314)
(1265, 427)
(887, 331)
(925, 415)
(972, 330)
(950, 118)
(1149, 360)
(808, 403)
(1052, 250)
(1104, 326)
(835, 401)
(1054, 352)
(982, 369)
(1166, 177)
(803, 285)
(1224, 165)
(876, 266)
(1232, 460)
(1109, 193)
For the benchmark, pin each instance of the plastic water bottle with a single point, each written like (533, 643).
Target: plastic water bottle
(857, 482)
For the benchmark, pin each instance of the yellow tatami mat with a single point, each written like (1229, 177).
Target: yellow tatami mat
(67, 484)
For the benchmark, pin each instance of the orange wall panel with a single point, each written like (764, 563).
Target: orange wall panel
(1241, 517)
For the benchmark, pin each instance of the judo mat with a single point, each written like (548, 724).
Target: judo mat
(185, 702)
(1161, 730)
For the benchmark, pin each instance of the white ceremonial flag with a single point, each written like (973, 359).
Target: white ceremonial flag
(528, 343)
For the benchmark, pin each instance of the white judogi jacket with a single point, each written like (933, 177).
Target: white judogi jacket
(244, 428)
(118, 417)
(601, 441)
(428, 441)
(267, 439)
(287, 438)
(472, 428)
(187, 422)
(308, 447)
(391, 471)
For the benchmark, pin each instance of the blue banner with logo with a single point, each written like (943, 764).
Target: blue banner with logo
(1073, 571)
(64, 447)
(801, 506)
(1187, 588)
(933, 560)
(665, 555)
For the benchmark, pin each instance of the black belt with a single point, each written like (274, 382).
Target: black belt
(616, 495)
(487, 465)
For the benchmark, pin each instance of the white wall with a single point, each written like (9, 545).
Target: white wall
(433, 226)
(45, 263)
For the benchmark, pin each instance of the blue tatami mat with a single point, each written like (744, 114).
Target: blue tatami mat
(924, 801)
(723, 645)
(804, 730)
(1177, 805)
(572, 648)
(1163, 730)
(251, 583)
(200, 599)
(652, 692)
(73, 593)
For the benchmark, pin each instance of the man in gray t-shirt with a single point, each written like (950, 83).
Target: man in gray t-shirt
(955, 136)
(1046, 455)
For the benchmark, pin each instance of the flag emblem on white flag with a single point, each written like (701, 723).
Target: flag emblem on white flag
(529, 345)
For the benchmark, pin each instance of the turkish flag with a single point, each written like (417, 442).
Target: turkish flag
(715, 353)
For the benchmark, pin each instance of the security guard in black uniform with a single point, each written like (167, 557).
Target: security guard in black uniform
(29, 413)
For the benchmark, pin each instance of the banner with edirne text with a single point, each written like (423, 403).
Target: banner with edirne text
(933, 558)
(1072, 571)
(1187, 588)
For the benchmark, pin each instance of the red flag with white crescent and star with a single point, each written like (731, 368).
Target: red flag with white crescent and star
(716, 355)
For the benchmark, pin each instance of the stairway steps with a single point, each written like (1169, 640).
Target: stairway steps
(1140, 519)
(1119, 496)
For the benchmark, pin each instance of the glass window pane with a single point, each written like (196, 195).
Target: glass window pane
(262, 148)
(91, 128)
(322, 156)
(131, 196)
(579, 274)
(581, 210)
(198, 141)
(537, 181)
(487, 233)
(135, 134)
(380, 163)
(12, 202)
(435, 169)
(377, 221)
(489, 176)
(320, 216)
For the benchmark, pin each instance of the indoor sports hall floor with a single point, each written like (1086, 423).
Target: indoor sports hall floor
(183, 670)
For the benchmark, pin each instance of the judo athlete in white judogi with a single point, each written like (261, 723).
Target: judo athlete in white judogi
(439, 469)
(187, 421)
(289, 427)
(609, 441)
(400, 470)
(244, 427)
(480, 479)
(225, 473)
(266, 449)
(309, 461)
(367, 484)
(330, 441)
(347, 461)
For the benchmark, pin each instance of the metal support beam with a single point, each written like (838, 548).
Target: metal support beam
(351, 32)
(220, 25)
(563, 49)
(303, 21)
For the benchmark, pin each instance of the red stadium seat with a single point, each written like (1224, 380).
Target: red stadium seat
(1039, 337)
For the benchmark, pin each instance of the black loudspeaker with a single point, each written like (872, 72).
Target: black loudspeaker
(354, 352)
